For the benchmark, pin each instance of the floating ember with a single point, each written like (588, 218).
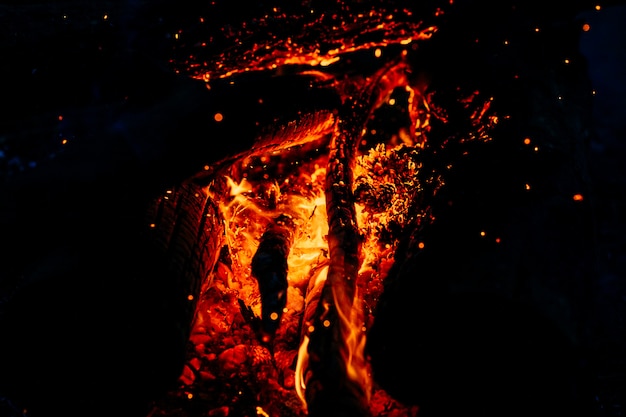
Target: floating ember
(299, 232)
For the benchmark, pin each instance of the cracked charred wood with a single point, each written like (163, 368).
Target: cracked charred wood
(330, 388)
(307, 128)
(329, 391)
(186, 228)
(269, 268)
(313, 127)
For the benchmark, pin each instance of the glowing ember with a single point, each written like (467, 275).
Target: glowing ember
(312, 218)
(300, 37)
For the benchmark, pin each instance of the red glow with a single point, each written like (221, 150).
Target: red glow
(305, 175)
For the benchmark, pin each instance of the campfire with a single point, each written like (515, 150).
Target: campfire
(296, 235)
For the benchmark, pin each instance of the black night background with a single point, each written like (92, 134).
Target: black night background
(516, 306)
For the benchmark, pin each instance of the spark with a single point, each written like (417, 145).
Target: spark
(261, 412)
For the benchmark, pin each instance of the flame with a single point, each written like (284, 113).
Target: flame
(391, 188)
(317, 282)
(353, 329)
(389, 178)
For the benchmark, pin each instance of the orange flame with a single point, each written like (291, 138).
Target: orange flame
(389, 178)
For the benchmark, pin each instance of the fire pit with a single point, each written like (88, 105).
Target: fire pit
(298, 233)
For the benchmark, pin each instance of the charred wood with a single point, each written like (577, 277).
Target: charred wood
(330, 389)
(185, 224)
(269, 268)
(309, 128)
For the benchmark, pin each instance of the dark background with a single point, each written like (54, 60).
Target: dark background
(531, 326)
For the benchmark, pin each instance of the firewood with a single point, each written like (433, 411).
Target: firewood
(330, 388)
(269, 268)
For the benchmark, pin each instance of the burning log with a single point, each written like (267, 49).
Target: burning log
(311, 128)
(328, 389)
(185, 224)
(337, 381)
(269, 267)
